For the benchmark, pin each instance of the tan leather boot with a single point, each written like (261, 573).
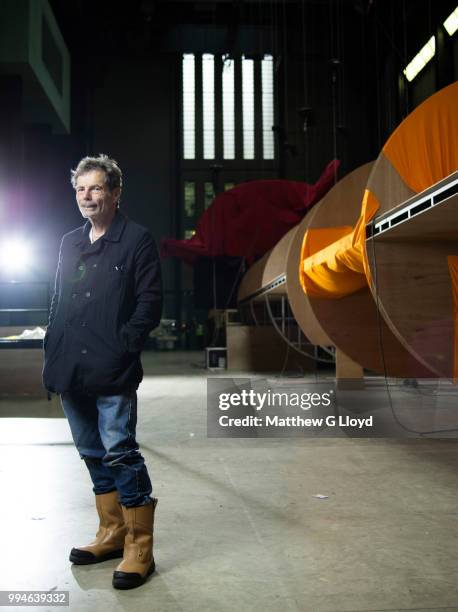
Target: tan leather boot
(109, 540)
(138, 560)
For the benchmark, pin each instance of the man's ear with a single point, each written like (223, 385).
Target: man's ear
(117, 194)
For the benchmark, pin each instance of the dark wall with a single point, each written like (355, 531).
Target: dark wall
(134, 111)
(343, 61)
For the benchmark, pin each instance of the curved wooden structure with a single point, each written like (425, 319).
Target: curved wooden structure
(353, 322)
(340, 206)
(409, 275)
(402, 323)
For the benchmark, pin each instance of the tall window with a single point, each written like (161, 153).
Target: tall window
(190, 198)
(267, 78)
(208, 95)
(189, 107)
(234, 133)
(209, 193)
(248, 107)
(228, 109)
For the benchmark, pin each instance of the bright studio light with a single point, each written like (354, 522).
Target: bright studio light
(451, 23)
(421, 59)
(14, 255)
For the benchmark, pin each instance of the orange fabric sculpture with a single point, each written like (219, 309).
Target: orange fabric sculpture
(423, 150)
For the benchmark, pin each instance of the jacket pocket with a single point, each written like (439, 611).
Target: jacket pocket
(104, 343)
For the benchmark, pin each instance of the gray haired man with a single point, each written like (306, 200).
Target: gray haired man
(107, 299)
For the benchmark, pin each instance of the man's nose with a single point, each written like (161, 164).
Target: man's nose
(87, 195)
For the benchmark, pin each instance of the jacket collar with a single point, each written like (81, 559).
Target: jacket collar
(113, 233)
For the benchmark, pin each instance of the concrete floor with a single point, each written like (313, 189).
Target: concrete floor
(237, 525)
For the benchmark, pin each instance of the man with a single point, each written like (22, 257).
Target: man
(107, 299)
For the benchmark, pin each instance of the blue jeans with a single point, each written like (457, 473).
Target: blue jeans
(103, 429)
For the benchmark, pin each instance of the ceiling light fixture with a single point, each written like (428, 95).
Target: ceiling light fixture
(451, 23)
(420, 60)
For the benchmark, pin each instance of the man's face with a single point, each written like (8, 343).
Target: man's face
(96, 202)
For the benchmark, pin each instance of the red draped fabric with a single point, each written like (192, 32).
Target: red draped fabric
(250, 219)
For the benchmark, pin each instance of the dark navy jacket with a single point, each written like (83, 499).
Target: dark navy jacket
(107, 298)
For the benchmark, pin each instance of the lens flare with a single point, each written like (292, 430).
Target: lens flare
(14, 255)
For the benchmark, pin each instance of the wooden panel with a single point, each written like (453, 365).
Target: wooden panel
(276, 262)
(410, 278)
(353, 322)
(20, 369)
(20, 372)
(253, 278)
(347, 369)
(413, 291)
(261, 349)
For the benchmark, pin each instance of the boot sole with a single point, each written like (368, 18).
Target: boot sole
(83, 557)
(125, 580)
